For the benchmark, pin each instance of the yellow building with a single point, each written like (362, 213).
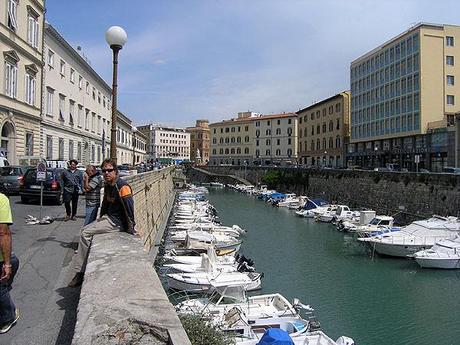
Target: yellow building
(324, 131)
(199, 142)
(400, 92)
(255, 139)
(21, 42)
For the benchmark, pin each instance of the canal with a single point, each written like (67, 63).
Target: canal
(374, 301)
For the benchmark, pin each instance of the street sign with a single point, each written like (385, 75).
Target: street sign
(41, 172)
(417, 158)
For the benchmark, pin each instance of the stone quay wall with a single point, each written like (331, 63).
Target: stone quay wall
(411, 194)
(122, 300)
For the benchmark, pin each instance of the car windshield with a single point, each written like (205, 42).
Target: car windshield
(10, 171)
(31, 175)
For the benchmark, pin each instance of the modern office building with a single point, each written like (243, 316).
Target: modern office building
(76, 117)
(199, 142)
(255, 139)
(21, 31)
(401, 91)
(324, 131)
(166, 144)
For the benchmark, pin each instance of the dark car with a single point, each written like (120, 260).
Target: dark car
(11, 177)
(52, 187)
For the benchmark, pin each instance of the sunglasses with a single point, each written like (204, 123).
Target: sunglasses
(107, 170)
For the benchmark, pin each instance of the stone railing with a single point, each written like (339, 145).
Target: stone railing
(122, 300)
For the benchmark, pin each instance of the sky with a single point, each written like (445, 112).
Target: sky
(210, 59)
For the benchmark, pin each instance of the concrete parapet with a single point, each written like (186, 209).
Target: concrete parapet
(122, 300)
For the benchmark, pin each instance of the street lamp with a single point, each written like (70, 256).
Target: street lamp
(116, 37)
(134, 129)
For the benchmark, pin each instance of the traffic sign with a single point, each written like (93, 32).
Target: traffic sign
(41, 172)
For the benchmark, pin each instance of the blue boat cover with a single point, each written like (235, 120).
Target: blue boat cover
(275, 336)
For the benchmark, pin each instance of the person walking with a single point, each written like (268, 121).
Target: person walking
(9, 263)
(73, 180)
(92, 184)
(117, 214)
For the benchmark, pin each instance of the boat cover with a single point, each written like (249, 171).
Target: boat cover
(275, 336)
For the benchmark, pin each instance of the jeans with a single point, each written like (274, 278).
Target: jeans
(7, 307)
(71, 197)
(103, 225)
(91, 214)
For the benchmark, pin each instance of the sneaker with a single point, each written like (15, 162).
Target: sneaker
(73, 218)
(77, 280)
(66, 218)
(7, 326)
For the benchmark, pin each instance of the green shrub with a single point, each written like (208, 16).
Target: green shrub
(202, 333)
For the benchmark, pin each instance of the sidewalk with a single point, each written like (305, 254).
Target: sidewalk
(47, 306)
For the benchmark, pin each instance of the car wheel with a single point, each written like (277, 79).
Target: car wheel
(24, 200)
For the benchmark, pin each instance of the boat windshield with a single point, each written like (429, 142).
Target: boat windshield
(375, 221)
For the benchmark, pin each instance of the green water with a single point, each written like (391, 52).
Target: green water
(381, 301)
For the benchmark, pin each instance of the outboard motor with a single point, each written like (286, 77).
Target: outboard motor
(343, 340)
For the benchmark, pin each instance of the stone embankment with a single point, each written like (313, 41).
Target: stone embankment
(122, 300)
(418, 195)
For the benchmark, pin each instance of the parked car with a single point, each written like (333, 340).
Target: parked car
(451, 170)
(11, 177)
(52, 187)
(123, 170)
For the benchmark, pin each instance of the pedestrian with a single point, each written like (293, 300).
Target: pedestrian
(9, 314)
(117, 214)
(73, 179)
(92, 184)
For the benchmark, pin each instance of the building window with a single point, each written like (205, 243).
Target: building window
(61, 149)
(79, 151)
(30, 88)
(32, 30)
(72, 75)
(49, 147)
(71, 149)
(29, 144)
(11, 79)
(449, 41)
(450, 60)
(61, 107)
(289, 152)
(450, 100)
(62, 67)
(80, 116)
(49, 101)
(80, 82)
(71, 112)
(50, 58)
(289, 121)
(12, 14)
(289, 131)
(267, 153)
(450, 80)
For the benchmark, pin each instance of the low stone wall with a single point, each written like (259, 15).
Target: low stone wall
(122, 300)
(420, 195)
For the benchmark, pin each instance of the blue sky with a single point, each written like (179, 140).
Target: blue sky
(191, 59)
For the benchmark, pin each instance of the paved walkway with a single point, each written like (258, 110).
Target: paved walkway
(47, 306)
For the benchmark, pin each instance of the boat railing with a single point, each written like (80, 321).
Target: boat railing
(428, 241)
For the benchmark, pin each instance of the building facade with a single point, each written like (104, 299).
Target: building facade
(255, 139)
(21, 41)
(166, 144)
(125, 152)
(399, 90)
(139, 147)
(76, 117)
(324, 131)
(199, 142)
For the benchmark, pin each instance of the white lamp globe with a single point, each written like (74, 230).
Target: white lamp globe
(116, 36)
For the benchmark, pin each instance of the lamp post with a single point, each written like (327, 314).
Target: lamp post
(116, 37)
(134, 129)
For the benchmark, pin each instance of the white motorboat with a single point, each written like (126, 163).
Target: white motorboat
(250, 317)
(204, 236)
(210, 280)
(341, 212)
(310, 206)
(288, 199)
(419, 235)
(444, 254)
(217, 184)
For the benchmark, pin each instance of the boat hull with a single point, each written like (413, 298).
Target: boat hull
(448, 264)
(398, 250)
